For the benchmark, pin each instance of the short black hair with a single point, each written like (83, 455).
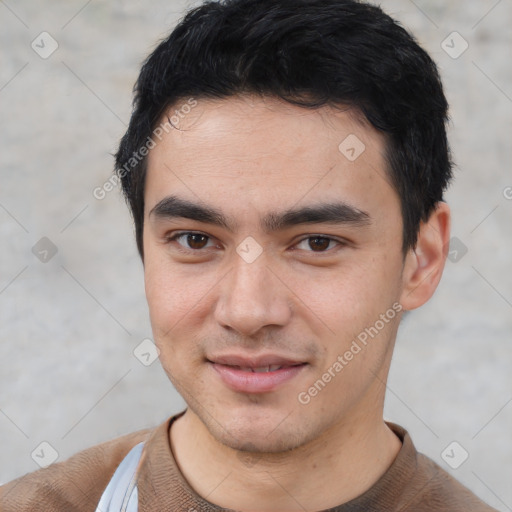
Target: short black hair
(310, 53)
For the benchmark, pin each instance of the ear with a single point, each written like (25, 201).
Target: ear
(424, 264)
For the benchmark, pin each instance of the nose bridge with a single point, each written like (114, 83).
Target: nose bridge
(251, 297)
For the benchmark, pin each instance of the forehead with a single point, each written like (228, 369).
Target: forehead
(264, 152)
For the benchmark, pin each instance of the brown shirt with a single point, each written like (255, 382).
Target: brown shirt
(413, 482)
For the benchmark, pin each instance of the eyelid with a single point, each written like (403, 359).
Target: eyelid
(338, 241)
(172, 237)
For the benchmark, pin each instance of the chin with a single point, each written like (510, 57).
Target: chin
(252, 428)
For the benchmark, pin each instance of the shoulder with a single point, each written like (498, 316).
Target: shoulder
(74, 484)
(438, 490)
(415, 483)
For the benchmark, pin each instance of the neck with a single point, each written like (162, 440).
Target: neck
(335, 468)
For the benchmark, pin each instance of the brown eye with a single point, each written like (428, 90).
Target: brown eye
(189, 240)
(196, 241)
(319, 243)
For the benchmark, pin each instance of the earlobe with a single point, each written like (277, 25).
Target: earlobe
(424, 264)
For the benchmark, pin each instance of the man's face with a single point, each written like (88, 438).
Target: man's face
(260, 289)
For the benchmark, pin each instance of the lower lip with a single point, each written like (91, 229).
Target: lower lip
(255, 382)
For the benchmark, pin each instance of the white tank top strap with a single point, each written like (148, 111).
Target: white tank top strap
(121, 495)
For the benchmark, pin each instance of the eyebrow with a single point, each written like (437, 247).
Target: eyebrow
(324, 213)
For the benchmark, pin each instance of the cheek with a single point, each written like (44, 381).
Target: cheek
(166, 292)
(349, 302)
(167, 298)
(352, 291)
(159, 291)
(179, 297)
(171, 309)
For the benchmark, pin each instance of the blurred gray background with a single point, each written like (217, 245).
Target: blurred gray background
(71, 321)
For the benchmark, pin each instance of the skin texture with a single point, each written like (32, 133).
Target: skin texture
(306, 300)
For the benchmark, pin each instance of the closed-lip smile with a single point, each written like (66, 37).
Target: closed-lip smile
(255, 374)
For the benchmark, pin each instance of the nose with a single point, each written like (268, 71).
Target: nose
(252, 297)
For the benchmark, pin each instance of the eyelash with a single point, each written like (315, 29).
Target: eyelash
(176, 236)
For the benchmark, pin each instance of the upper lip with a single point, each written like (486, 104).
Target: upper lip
(254, 361)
